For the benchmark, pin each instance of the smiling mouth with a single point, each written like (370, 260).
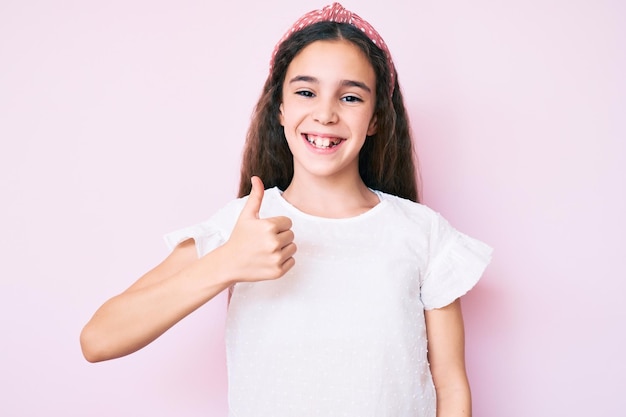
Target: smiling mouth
(322, 142)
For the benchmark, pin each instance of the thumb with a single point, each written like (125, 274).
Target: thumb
(253, 205)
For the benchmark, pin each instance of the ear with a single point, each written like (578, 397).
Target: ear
(281, 118)
(373, 127)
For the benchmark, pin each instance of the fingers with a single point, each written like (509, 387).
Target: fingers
(281, 223)
(287, 265)
(260, 249)
(289, 250)
(285, 238)
(287, 262)
(253, 205)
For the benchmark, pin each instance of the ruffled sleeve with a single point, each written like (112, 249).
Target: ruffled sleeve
(211, 233)
(456, 263)
(206, 236)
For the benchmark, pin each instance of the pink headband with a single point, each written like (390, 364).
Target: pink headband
(337, 13)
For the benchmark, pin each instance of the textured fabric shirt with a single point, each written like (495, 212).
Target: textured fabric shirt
(343, 332)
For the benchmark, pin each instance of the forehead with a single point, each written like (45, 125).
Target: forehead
(332, 60)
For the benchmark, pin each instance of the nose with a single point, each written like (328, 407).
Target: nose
(325, 112)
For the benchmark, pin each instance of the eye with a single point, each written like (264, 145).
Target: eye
(351, 99)
(305, 93)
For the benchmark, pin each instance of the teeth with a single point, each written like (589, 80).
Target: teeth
(322, 142)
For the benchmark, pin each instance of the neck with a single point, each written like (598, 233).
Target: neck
(327, 197)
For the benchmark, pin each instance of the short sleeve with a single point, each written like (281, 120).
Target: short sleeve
(211, 233)
(456, 263)
(206, 236)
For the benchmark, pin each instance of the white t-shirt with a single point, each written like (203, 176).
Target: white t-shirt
(343, 332)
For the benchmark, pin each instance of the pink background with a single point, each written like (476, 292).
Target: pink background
(123, 120)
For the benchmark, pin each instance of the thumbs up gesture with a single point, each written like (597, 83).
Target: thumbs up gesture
(260, 249)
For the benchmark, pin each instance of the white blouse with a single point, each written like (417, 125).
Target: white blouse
(343, 332)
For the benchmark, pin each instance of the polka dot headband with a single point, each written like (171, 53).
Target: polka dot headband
(337, 13)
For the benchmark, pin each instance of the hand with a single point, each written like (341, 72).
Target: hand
(260, 249)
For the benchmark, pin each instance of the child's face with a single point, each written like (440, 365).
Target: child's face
(327, 108)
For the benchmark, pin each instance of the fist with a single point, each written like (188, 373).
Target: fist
(260, 249)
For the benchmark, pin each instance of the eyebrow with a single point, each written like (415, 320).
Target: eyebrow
(343, 83)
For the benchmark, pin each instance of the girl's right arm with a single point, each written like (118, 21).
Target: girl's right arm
(258, 249)
(153, 304)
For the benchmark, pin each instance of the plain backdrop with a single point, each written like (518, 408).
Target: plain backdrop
(123, 120)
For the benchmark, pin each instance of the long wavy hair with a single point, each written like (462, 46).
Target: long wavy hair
(387, 160)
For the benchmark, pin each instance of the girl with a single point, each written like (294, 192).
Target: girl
(367, 321)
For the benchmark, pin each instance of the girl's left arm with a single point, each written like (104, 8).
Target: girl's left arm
(446, 354)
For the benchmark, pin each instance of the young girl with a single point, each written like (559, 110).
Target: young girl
(344, 290)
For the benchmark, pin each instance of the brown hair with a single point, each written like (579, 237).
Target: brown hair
(386, 162)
